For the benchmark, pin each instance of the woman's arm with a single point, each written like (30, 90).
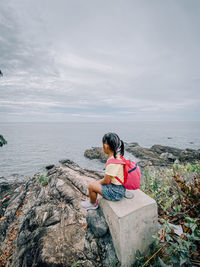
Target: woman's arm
(105, 180)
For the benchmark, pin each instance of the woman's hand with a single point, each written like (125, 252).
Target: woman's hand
(105, 180)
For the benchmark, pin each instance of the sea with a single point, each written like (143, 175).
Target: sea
(33, 145)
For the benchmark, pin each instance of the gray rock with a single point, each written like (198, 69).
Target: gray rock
(168, 156)
(96, 153)
(63, 161)
(189, 155)
(128, 145)
(159, 149)
(96, 221)
(48, 224)
(159, 155)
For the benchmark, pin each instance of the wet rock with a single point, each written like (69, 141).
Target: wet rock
(48, 167)
(4, 187)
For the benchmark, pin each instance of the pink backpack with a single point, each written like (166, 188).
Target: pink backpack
(132, 173)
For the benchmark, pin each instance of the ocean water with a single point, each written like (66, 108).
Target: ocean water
(32, 146)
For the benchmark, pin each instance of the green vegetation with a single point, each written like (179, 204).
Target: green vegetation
(43, 179)
(76, 263)
(2, 140)
(177, 194)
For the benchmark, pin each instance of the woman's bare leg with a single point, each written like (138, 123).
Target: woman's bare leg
(94, 189)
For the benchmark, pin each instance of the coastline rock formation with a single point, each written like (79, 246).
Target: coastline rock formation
(157, 155)
(43, 224)
(46, 226)
(96, 153)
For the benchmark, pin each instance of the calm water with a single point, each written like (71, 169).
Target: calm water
(32, 146)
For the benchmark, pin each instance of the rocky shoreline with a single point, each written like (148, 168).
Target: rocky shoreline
(44, 225)
(157, 155)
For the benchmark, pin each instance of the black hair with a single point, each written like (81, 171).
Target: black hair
(113, 140)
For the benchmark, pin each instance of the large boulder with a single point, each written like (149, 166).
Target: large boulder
(46, 226)
(96, 153)
(97, 223)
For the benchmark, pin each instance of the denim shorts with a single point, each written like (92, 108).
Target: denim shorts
(113, 192)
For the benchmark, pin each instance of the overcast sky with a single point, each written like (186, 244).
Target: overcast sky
(105, 60)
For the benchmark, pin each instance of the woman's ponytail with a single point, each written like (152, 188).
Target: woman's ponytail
(122, 148)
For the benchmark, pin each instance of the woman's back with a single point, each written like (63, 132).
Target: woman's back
(114, 169)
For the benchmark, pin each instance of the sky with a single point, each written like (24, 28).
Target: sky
(99, 61)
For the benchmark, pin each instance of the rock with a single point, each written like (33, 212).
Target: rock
(48, 167)
(157, 155)
(159, 149)
(141, 152)
(63, 161)
(4, 186)
(177, 229)
(96, 153)
(106, 252)
(189, 155)
(168, 156)
(129, 145)
(96, 221)
(2, 140)
(160, 155)
(45, 225)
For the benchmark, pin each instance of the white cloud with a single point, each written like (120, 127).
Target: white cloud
(115, 60)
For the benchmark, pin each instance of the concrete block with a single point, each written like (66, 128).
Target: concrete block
(132, 222)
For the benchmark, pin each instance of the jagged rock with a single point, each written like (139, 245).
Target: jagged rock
(96, 221)
(63, 161)
(190, 155)
(141, 152)
(129, 145)
(96, 153)
(4, 186)
(100, 246)
(159, 149)
(48, 167)
(46, 226)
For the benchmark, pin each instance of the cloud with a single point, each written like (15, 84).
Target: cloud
(99, 61)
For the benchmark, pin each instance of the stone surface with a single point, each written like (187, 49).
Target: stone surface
(46, 226)
(157, 155)
(96, 153)
(96, 221)
(132, 222)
